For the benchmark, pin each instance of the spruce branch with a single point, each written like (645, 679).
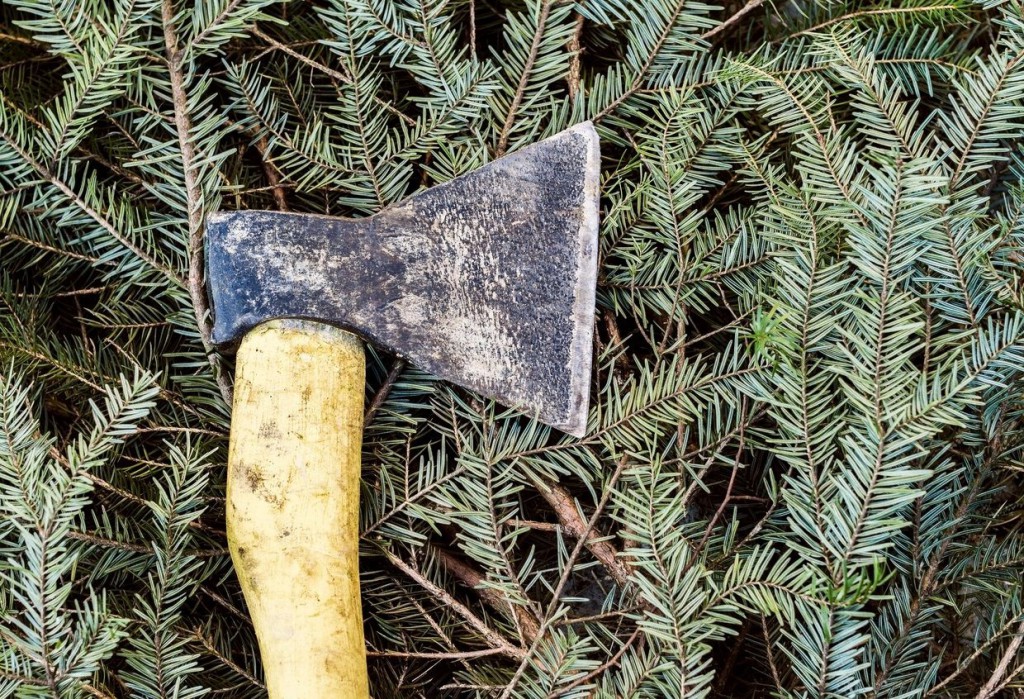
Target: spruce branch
(510, 116)
(86, 208)
(805, 417)
(194, 200)
(883, 12)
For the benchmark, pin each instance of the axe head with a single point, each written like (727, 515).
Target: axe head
(487, 281)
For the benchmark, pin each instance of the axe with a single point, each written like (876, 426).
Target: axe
(486, 281)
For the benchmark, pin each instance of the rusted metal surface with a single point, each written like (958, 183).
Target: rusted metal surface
(486, 281)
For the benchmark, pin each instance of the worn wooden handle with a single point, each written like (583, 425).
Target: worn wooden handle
(293, 505)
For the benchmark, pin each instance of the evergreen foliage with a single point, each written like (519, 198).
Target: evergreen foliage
(801, 476)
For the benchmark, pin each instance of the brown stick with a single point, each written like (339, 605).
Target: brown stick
(995, 682)
(382, 393)
(472, 578)
(574, 59)
(563, 581)
(273, 177)
(493, 638)
(14, 38)
(452, 655)
(743, 12)
(564, 505)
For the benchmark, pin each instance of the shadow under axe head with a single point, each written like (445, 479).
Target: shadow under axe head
(487, 281)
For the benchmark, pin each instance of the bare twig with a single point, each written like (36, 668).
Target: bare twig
(452, 655)
(95, 691)
(995, 682)
(574, 58)
(273, 176)
(536, 526)
(564, 506)
(14, 38)
(770, 655)
(570, 564)
(382, 393)
(494, 599)
(330, 72)
(493, 638)
(743, 12)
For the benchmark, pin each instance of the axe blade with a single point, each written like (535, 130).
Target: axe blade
(487, 281)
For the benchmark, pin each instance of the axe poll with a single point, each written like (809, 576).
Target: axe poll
(487, 281)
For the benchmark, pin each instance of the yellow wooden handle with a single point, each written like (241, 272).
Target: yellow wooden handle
(293, 505)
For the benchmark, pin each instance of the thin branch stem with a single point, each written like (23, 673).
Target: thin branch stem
(450, 655)
(194, 201)
(995, 682)
(524, 79)
(743, 12)
(330, 72)
(493, 638)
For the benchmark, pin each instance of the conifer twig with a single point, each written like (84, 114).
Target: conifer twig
(273, 177)
(877, 12)
(574, 58)
(17, 39)
(493, 638)
(213, 650)
(95, 691)
(447, 655)
(385, 388)
(194, 201)
(517, 99)
(600, 670)
(637, 81)
(226, 604)
(90, 211)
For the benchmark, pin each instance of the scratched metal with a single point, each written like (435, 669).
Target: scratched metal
(486, 281)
